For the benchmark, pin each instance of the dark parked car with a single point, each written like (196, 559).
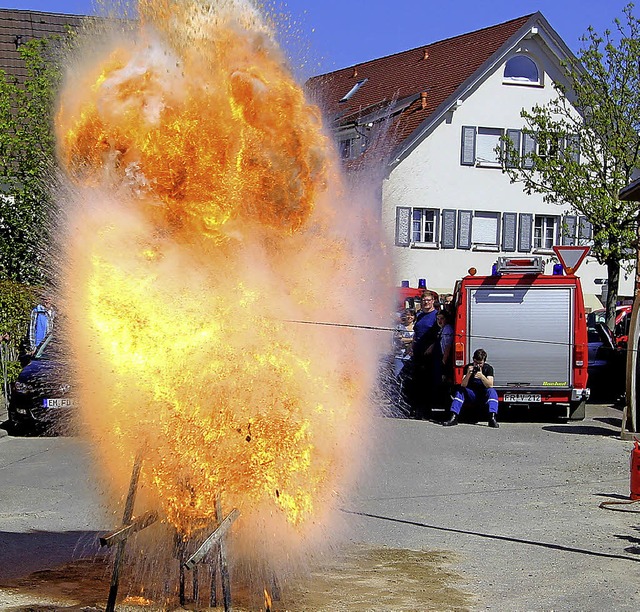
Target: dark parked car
(607, 363)
(42, 398)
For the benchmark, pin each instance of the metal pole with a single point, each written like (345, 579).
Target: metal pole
(630, 413)
(126, 519)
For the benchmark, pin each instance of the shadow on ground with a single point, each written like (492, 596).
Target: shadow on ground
(583, 430)
(23, 553)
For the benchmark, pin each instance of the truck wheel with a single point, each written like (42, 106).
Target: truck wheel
(577, 410)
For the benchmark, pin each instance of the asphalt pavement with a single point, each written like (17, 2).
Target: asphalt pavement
(518, 507)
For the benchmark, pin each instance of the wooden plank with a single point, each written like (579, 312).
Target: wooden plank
(213, 539)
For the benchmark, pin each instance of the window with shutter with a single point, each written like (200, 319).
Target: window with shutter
(509, 223)
(424, 226)
(468, 146)
(572, 147)
(551, 146)
(448, 240)
(464, 229)
(545, 231)
(513, 157)
(528, 148)
(569, 230)
(486, 229)
(585, 232)
(403, 226)
(489, 147)
(524, 232)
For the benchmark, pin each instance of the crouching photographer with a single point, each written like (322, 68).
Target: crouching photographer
(476, 388)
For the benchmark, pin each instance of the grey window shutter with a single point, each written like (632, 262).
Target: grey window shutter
(448, 239)
(509, 226)
(468, 146)
(403, 226)
(528, 147)
(573, 147)
(524, 234)
(514, 136)
(585, 229)
(569, 230)
(464, 229)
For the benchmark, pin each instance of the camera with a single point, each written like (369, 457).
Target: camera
(475, 370)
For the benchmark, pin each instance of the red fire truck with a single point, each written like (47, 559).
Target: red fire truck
(533, 327)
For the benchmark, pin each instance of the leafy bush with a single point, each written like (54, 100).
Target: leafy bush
(16, 302)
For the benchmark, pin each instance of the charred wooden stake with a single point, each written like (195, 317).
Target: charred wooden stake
(213, 596)
(196, 590)
(215, 540)
(137, 524)
(224, 570)
(126, 520)
(181, 560)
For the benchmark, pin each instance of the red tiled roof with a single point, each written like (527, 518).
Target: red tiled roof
(437, 69)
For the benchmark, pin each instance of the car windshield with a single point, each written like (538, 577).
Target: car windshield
(595, 317)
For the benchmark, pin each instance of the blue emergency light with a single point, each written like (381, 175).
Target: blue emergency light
(422, 283)
(558, 269)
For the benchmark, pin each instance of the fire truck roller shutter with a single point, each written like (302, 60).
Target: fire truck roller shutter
(527, 333)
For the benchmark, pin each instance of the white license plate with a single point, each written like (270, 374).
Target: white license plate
(522, 398)
(58, 403)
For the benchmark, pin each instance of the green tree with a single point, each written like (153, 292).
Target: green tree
(27, 154)
(584, 146)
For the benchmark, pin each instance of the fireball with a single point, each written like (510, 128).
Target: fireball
(204, 218)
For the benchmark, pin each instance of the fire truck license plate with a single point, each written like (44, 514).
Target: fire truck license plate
(522, 398)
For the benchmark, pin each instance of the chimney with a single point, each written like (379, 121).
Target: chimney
(423, 99)
(425, 55)
(355, 72)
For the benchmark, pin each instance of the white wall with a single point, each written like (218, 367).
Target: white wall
(432, 176)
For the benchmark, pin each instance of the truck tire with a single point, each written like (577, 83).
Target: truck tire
(577, 410)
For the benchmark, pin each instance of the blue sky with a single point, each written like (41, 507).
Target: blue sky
(324, 35)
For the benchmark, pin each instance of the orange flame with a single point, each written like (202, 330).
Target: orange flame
(204, 218)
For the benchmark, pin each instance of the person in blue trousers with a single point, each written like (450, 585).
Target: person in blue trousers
(476, 388)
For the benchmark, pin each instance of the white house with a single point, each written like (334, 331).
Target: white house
(435, 115)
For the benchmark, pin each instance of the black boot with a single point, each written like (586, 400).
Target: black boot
(492, 420)
(453, 420)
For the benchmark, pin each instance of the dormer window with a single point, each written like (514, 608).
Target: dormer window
(521, 70)
(353, 90)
